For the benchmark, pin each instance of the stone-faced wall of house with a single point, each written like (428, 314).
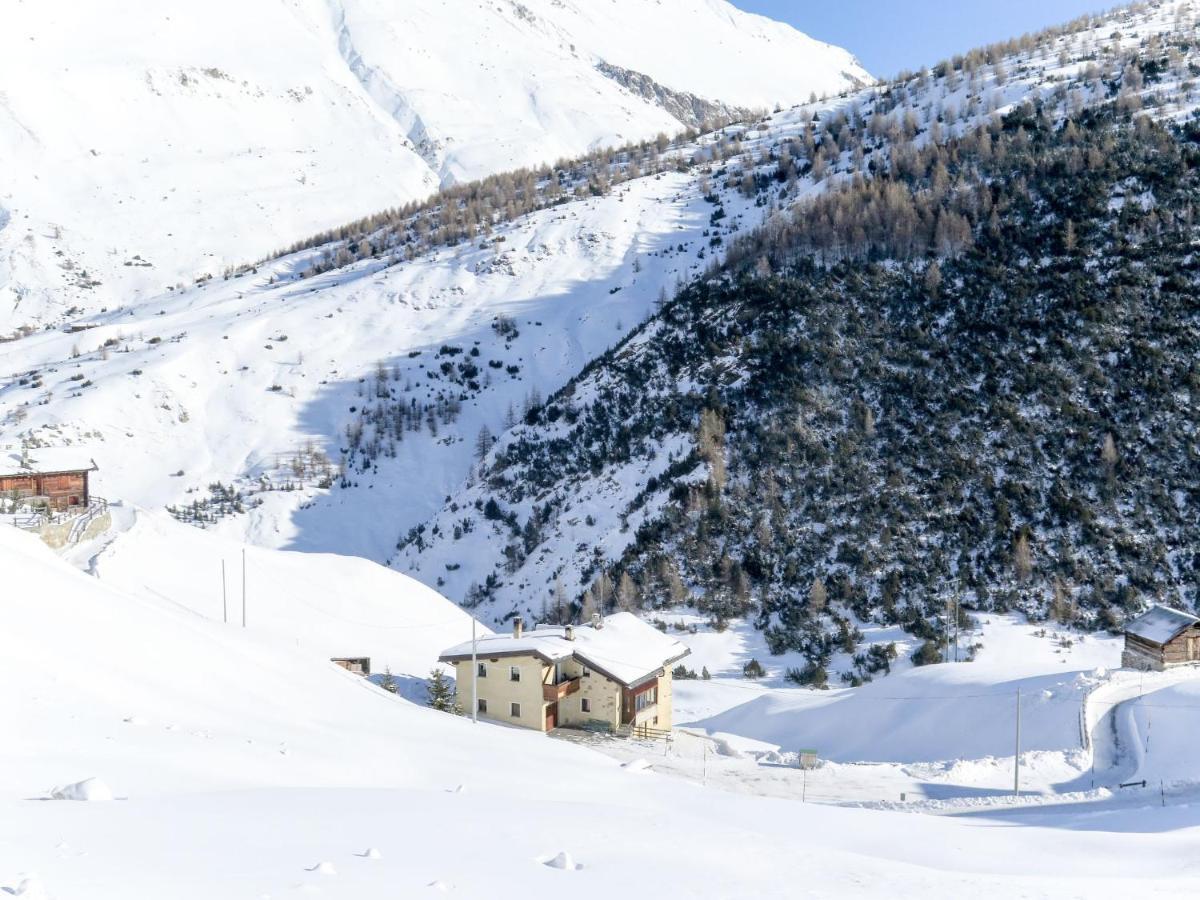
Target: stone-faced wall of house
(499, 691)
(603, 698)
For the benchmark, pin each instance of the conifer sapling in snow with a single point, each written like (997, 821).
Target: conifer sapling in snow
(441, 693)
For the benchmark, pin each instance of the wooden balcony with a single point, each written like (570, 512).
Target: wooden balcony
(552, 693)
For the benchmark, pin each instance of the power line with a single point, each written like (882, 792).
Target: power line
(348, 621)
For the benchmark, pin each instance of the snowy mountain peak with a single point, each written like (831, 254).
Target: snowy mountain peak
(148, 144)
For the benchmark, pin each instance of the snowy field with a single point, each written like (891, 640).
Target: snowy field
(241, 764)
(942, 733)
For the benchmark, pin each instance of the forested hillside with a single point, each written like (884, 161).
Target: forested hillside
(972, 377)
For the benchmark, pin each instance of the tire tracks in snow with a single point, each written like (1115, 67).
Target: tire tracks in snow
(1110, 731)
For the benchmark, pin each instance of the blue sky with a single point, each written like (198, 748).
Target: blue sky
(890, 35)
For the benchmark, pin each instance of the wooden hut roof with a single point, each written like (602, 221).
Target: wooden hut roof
(44, 460)
(1160, 624)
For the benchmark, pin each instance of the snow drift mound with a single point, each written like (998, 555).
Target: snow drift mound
(940, 712)
(89, 790)
(323, 605)
(215, 705)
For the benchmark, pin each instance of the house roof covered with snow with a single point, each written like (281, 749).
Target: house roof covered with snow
(1159, 624)
(622, 647)
(19, 461)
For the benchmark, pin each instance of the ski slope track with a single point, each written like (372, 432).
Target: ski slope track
(149, 144)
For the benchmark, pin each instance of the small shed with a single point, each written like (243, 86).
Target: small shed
(54, 476)
(1160, 638)
(359, 665)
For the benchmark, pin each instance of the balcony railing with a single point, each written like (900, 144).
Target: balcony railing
(552, 693)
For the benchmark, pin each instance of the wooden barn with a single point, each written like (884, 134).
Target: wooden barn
(54, 476)
(359, 665)
(1160, 638)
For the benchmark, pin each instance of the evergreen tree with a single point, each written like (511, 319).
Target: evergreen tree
(441, 692)
(753, 669)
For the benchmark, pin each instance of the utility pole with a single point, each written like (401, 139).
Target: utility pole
(474, 673)
(957, 600)
(946, 632)
(224, 597)
(949, 612)
(1017, 756)
(243, 587)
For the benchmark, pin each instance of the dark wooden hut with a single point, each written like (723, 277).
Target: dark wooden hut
(1160, 638)
(56, 477)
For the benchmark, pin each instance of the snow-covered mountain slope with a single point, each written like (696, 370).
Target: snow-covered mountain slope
(147, 144)
(322, 604)
(590, 511)
(229, 381)
(242, 765)
(149, 688)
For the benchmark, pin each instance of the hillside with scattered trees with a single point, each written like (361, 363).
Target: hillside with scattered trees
(972, 376)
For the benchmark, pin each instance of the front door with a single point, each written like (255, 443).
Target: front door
(1193, 645)
(551, 716)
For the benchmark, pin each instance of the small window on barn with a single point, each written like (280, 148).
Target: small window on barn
(482, 705)
(515, 710)
(585, 705)
(514, 673)
(586, 673)
(483, 670)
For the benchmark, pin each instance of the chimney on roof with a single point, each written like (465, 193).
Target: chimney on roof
(569, 632)
(597, 621)
(518, 627)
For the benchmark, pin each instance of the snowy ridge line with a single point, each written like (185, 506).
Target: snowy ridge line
(374, 104)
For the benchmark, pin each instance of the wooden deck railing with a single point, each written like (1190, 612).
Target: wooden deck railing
(552, 693)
